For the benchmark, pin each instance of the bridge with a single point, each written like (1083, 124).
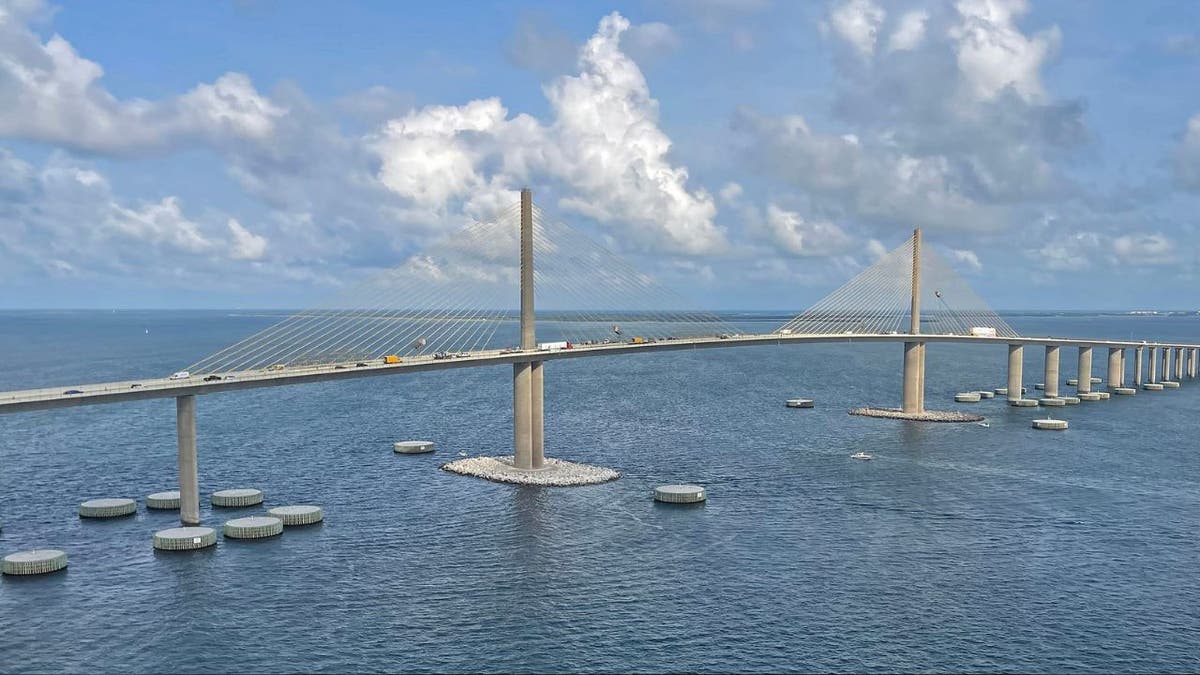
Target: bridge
(443, 309)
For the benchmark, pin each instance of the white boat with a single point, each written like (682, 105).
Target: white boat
(860, 455)
(983, 424)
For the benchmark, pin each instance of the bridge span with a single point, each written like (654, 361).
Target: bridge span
(329, 345)
(48, 398)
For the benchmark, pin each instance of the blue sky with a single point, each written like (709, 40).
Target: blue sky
(748, 153)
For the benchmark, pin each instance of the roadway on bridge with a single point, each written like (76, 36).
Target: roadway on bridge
(132, 390)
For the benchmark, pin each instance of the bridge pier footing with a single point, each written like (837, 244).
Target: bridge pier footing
(189, 481)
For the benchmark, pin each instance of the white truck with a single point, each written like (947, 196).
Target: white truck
(983, 331)
(553, 346)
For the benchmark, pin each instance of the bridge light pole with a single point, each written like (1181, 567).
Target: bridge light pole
(913, 394)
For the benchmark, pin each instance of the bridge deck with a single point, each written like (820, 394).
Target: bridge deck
(133, 390)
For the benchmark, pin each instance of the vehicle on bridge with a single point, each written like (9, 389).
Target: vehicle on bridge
(180, 375)
(554, 346)
(391, 358)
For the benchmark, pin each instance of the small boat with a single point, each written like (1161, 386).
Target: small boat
(985, 425)
(861, 455)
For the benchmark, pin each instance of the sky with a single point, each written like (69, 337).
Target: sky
(749, 154)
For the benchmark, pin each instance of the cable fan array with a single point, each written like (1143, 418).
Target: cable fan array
(461, 295)
(878, 301)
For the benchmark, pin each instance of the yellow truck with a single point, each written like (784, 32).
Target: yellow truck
(391, 358)
(638, 340)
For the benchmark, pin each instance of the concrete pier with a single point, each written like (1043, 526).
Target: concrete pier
(911, 395)
(528, 427)
(1115, 371)
(1016, 355)
(913, 389)
(1192, 362)
(189, 472)
(1153, 365)
(1179, 357)
(1084, 372)
(522, 421)
(537, 427)
(1051, 374)
(1138, 366)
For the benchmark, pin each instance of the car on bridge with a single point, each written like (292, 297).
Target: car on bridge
(180, 375)
(212, 378)
(71, 392)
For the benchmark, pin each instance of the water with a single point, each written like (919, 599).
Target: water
(958, 547)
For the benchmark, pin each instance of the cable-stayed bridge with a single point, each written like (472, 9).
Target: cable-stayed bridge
(452, 306)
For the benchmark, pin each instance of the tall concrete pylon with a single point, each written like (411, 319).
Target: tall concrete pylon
(189, 483)
(913, 394)
(528, 444)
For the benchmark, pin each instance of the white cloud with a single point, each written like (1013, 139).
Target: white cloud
(858, 22)
(1144, 249)
(909, 32)
(1073, 252)
(245, 245)
(54, 95)
(64, 219)
(798, 236)
(993, 54)
(603, 147)
(968, 258)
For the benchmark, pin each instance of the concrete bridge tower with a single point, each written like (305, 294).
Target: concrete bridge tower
(528, 428)
(913, 396)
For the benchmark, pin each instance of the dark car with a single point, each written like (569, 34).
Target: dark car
(212, 378)
(339, 367)
(71, 392)
(135, 385)
(360, 364)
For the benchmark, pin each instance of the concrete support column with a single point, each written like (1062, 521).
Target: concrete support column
(1115, 370)
(522, 420)
(189, 473)
(536, 423)
(1121, 368)
(1179, 357)
(1051, 379)
(1138, 366)
(1192, 362)
(1153, 364)
(1166, 364)
(911, 394)
(527, 429)
(921, 381)
(1016, 360)
(1084, 371)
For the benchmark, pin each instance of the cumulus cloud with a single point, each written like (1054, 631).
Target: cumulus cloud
(1083, 250)
(857, 23)
(1144, 249)
(799, 236)
(64, 219)
(909, 32)
(54, 95)
(950, 126)
(603, 147)
(968, 258)
(245, 245)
